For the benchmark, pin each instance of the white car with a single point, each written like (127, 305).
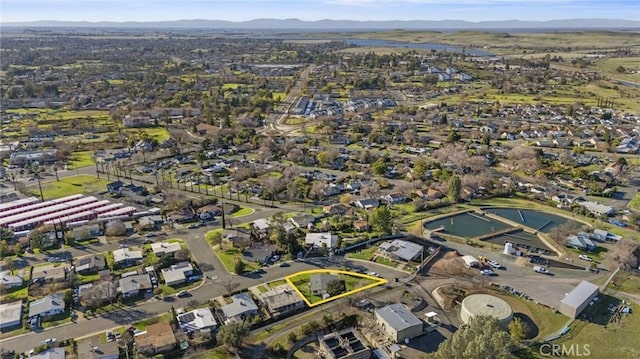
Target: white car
(487, 272)
(373, 274)
(585, 257)
(494, 264)
(48, 341)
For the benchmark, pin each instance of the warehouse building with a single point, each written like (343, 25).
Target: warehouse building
(579, 298)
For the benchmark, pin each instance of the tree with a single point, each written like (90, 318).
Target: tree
(6, 234)
(182, 255)
(516, 330)
(455, 187)
(231, 335)
(484, 338)
(381, 220)
(115, 229)
(292, 337)
(239, 266)
(453, 136)
(621, 69)
(420, 168)
(335, 287)
(379, 167)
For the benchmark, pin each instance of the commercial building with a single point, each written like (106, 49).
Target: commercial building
(398, 323)
(574, 303)
(10, 315)
(346, 344)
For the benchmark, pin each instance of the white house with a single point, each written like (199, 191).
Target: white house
(318, 239)
(10, 314)
(50, 305)
(200, 320)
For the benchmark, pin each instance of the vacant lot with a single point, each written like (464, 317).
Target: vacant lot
(70, 185)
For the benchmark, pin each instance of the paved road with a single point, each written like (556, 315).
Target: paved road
(210, 289)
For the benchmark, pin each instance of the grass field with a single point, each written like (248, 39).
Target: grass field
(142, 325)
(364, 254)
(70, 185)
(228, 258)
(547, 321)
(302, 281)
(635, 202)
(243, 211)
(81, 159)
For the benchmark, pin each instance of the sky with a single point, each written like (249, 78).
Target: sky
(240, 10)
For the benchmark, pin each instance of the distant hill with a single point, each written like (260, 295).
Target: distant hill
(338, 25)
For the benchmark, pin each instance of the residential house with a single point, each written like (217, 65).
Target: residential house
(401, 250)
(86, 231)
(8, 280)
(302, 221)
(48, 306)
(51, 353)
(94, 348)
(261, 227)
(178, 273)
(150, 223)
(361, 226)
(181, 216)
(158, 338)
(580, 241)
(335, 209)
(598, 209)
(319, 239)
(198, 320)
(49, 273)
(10, 315)
(133, 285)
(367, 203)
(90, 264)
(429, 194)
(126, 257)
(281, 300)
(241, 307)
(395, 198)
(318, 283)
(165, 248)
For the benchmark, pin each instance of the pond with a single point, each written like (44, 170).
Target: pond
(539, 221)
(467, 225)
(416, 45)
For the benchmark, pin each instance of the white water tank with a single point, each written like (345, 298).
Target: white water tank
(508, 248)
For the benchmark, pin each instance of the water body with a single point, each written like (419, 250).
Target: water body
(467, 225)
(416, 45)
(537, 220)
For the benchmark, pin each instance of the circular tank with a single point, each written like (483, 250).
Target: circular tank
(485, 305)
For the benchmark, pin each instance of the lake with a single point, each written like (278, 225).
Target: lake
(416, 45)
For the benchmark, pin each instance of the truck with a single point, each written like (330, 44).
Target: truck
(540, 269)
(470, 261)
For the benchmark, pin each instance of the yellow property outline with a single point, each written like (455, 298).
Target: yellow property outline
(376, 282)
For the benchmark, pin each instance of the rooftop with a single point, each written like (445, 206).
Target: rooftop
(10, 312)
(197, 319)
(579, 294)
(398, 316)
(402, 249)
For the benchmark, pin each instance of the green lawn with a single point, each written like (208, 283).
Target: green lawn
(69, 185)
(547, 321)
(81, 159)
(142, 325)
(15, 294)
(301, 281)
(57, 319)
(364, 254)
(386, 262)
(635, 202)
(276, 283)
(625, 283)
(87, 278)
(241, 212)
(228, 258)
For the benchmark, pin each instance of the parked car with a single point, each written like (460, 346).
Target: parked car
(373, 274)
(48, 341)
(585, 257)
(183, 293)
(494, 264)
(540, 269)
(284, 264)
(487, 272)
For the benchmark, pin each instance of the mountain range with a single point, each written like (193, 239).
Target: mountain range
(328, 25)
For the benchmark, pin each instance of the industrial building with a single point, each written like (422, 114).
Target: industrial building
(485, 305)
(579, 298)
(398, 323)
(346, 344)
(21, 215)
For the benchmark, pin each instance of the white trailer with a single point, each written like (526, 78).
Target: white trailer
(470, 261)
